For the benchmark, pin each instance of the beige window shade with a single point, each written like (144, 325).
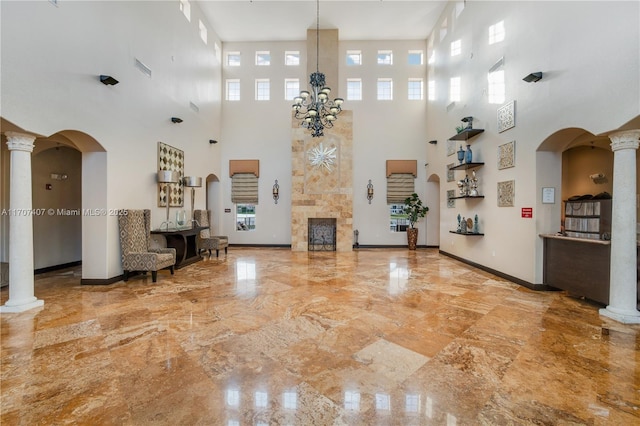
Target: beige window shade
(244, 188)
(399, 187)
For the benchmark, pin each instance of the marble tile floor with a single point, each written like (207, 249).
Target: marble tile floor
(271, 337)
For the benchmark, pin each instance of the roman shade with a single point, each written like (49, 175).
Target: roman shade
(244, 188)
(399, 187)
(401, 175)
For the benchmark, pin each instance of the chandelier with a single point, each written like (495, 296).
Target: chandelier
(315, 109)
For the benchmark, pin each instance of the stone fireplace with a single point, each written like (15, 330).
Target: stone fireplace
(322, 192)
(322, 234)
(325, 191)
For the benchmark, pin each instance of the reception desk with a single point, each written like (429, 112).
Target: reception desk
(580, 266)
(184, 241)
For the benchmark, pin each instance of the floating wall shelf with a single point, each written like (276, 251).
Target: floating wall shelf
(467, 196)
(466, 166)
(466, 134)
(467, 234)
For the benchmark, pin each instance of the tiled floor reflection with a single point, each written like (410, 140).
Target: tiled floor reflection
(271, 337)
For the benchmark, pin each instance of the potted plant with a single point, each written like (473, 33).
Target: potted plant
(414, 210)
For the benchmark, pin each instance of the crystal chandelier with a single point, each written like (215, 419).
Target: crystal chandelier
(315, 109)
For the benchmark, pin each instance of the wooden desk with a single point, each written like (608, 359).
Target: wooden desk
(184, 241)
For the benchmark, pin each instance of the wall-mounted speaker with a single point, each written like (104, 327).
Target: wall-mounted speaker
(108, 80)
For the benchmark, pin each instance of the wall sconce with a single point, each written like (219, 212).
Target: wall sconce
(533, 77)
(108, 80)
(370, 191)
(176, 120)
(276, 191)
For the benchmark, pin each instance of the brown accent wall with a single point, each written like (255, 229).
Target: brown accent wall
(328, 64)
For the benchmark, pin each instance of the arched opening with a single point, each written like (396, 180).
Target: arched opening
(574, 162)
(69, 179)
(214, 203)
(433, 217)
(56, 176)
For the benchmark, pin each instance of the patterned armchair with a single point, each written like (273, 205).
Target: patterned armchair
(135, 243)
(204, 240)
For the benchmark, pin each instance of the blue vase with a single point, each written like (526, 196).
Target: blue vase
(461, 155)
(468, 156)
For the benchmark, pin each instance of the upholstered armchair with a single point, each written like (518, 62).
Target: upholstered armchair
(135, 243)
(204, 239)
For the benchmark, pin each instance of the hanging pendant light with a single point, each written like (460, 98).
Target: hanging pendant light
(314, 108)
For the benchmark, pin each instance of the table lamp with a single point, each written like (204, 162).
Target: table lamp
(167, 177)
(193, 183)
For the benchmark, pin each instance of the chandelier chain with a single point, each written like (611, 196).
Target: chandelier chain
(314, 108)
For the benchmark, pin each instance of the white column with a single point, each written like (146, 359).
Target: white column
(21, 292)
(623, 276)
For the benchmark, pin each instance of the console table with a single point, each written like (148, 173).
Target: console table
(184, 241)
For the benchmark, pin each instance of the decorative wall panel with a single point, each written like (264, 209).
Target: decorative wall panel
(172, 159)
(506, 193)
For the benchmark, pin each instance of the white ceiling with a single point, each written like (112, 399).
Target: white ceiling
(263, 20)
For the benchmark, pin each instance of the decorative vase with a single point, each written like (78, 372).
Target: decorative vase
(468, 155)
(412, 238)
(181, 217)
(461, 154)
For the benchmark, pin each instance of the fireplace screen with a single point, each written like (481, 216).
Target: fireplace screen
(322, 234)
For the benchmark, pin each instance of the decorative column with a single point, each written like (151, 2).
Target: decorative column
(21, 292)
(623, 276)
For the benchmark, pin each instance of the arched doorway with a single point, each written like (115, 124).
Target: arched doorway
(433, 217)
(214, 203)
(566, 160)
(94, 229)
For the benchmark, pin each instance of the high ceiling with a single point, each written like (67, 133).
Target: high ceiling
(263, 20)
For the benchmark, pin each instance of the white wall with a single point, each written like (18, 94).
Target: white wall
(51, 59)
(588, 52)
(260, 130)
(382, 130)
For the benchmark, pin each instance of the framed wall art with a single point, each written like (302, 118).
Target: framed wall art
(451, 202)
(548, 195)
(507, 116)
(172, 159)
(506, 193)
(450, 173)
(451, 147)
(507, 155)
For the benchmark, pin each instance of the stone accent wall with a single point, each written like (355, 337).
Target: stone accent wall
(317, 192)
